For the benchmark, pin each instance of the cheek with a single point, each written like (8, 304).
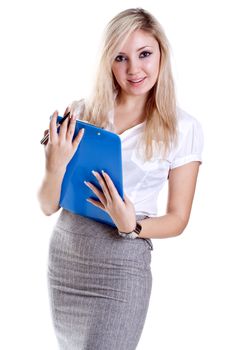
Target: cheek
(117, 71)
(153, 68)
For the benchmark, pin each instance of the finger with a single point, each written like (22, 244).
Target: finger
(71, 128)
(97, 192)
(63, 129)
(111, 187)
(96, 203)
(103, 186)
(66, 111)
(78, 138)
(53, 127)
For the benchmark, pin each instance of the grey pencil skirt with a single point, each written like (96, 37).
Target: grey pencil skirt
(99, 285)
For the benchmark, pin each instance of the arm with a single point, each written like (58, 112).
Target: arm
(49, 191)
(182, 182)
(181, 189)
(58, 152)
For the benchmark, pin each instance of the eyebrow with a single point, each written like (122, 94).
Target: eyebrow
(141, 48)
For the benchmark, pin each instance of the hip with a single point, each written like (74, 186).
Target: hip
(80, 239)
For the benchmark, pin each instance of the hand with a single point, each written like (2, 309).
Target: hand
(60, 148)
(121, 211)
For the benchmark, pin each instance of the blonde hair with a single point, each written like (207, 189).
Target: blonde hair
(160, 109)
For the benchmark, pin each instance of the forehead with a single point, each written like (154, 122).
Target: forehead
(138, 39)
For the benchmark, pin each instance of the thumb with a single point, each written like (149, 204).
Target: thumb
(126, 199)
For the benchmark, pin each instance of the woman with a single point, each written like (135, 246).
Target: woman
(99, 277)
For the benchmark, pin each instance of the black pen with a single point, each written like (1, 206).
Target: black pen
(46, 137)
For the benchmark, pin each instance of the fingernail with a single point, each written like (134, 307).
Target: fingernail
(94, 172)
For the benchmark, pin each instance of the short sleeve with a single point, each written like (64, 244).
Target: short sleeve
(190, 142)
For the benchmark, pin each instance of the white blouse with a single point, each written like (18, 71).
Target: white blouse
(143, 180)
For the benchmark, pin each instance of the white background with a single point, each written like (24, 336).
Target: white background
(48, 56)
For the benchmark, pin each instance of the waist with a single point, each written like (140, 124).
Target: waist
(80, 225)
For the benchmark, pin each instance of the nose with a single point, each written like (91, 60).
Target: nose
(133, 67)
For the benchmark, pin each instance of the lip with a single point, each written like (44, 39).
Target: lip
(136, 82)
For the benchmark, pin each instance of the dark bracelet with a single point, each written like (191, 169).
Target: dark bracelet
(133, 234)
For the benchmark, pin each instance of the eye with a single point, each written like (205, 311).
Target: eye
(145, 54)
(120, 58)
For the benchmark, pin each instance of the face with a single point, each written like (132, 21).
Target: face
(136, 66)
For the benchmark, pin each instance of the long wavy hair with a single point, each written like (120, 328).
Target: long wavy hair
(160, 130)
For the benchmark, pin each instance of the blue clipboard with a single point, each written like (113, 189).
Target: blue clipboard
(98, 150)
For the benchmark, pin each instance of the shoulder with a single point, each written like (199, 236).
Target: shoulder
(188, 128)
(190, 140)
(186, 122)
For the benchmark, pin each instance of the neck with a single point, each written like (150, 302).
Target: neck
(130, 102)
(129, 111)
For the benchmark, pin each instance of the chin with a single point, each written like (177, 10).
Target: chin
(138, 92)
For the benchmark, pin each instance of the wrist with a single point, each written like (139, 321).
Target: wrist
(127, 229)
(132, 234)
(55, 172)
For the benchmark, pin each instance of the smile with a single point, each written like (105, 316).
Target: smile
(136, 82)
